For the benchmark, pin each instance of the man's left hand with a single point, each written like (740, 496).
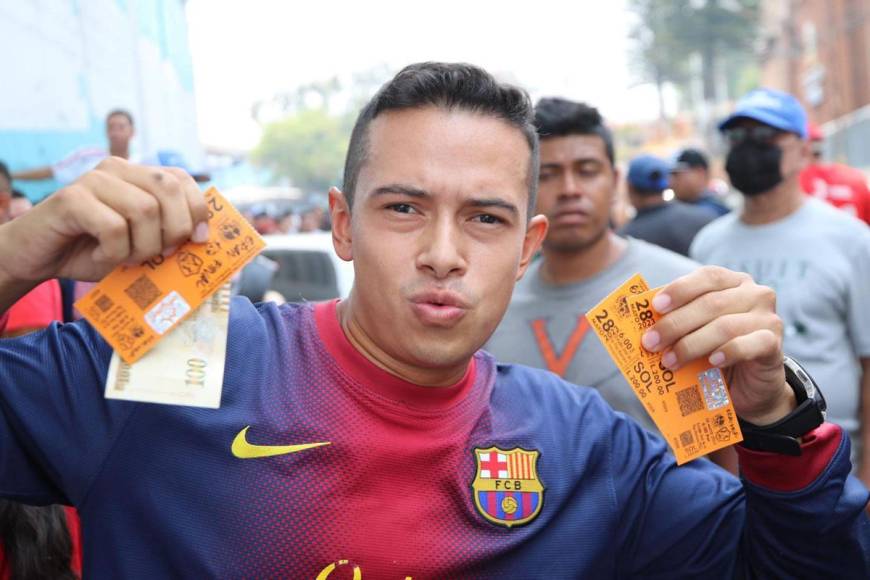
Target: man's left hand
(731, 321)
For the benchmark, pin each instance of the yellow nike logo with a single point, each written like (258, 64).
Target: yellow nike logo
(244, 450)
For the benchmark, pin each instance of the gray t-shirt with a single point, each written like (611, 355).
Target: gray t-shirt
(545, 325)
(818, 261)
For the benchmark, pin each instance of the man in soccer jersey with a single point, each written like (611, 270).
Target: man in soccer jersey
(370, 438)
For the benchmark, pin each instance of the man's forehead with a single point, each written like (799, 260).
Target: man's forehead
(571, 148)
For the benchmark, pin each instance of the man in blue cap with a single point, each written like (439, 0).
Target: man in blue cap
(815, 257)
(671, 225)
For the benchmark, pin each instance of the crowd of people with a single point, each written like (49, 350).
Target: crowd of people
(481, 230)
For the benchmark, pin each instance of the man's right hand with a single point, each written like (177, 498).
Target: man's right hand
(117, 213)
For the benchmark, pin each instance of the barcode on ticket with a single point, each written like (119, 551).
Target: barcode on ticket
(690, 400)
(143, 291)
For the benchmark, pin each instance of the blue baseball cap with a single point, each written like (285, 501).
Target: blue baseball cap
(649, 173)
(778, 109)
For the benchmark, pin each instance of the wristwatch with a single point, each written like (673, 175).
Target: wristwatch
(782, 436)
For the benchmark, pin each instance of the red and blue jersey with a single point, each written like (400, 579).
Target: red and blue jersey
(321, 465)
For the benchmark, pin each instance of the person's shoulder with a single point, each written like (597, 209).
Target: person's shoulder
(658, 259)
(838, 222)
(698, 213)
(711, 233)
(266, 317)
(544, 390)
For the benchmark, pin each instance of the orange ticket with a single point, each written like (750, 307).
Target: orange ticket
(135, 306)
(690, 406)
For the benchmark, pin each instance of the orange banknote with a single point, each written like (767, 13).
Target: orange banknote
(135, 306)
(691, 406)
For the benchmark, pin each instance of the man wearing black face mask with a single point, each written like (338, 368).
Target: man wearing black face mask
(815, 257)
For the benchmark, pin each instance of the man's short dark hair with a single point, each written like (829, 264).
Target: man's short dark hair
(448, 86)
(557, 117)
(121, 112)
(4, 171)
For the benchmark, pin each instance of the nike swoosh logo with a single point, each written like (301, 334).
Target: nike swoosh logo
(244, 450)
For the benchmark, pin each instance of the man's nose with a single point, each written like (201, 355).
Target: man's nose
(442, 253)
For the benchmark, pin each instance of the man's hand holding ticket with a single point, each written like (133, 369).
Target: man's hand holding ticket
(698, 352)
(135, 306)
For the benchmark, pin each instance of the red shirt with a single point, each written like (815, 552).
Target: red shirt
(36, 309)
(839, 185)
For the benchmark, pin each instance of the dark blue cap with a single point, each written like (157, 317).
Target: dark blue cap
(649, 173)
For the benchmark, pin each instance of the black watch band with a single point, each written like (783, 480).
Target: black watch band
(782, 436)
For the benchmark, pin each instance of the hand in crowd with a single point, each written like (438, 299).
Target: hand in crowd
(119, 212)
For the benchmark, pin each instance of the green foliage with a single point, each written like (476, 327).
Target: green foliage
(722, 32)
(308, 142)
(307, 147)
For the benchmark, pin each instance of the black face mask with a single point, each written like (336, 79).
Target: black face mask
(753, 167)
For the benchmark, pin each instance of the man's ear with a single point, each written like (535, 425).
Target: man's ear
(536, 231)
(339, 211)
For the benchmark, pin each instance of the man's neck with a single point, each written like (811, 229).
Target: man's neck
(364, 344)
(570, 267)
(122, 153)
(774, 205)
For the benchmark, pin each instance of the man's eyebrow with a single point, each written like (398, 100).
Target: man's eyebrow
(398, 188)
(494, 202)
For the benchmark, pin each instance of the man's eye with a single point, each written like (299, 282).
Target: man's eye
(401, 208)
(488, 218)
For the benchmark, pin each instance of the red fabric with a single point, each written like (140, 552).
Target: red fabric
(839, 185)
(379, 380)
(36, 309)
(786, 473)
(75, 532)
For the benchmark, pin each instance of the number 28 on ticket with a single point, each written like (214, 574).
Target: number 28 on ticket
(691, 406)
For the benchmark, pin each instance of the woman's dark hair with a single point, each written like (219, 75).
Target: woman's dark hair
(446, 86)
(36, 542)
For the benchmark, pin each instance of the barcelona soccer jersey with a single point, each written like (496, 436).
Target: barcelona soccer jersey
(321, 465)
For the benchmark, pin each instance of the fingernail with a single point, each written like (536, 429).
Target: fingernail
(168, 251)
(661, 302)
(670, 360)
(650, 339)
(717, 358)
(200, 234)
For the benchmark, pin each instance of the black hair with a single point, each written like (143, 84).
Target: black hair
(448, 86)
(557, 117)
(4, 171)
(123, 113)
(36, 541)
(18, 194)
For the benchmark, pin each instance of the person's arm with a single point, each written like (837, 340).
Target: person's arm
(796, 516)
(34, 174)
(864, 464)
(55, 425)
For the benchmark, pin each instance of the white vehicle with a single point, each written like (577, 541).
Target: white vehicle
(307, 267)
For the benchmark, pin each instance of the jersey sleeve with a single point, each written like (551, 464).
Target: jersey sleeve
(56, 428)
(698, 521)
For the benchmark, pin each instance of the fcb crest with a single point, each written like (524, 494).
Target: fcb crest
(506, 487)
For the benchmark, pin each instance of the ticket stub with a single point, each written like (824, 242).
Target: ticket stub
(186, 368)
(136, 306)
(611, 320)
(691, 406)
